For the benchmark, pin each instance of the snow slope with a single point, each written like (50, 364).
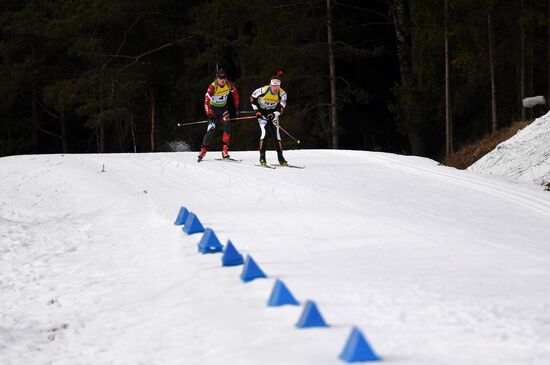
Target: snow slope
(435, 265)
(524, 157)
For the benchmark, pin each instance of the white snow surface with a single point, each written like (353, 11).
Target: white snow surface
(524, 157)
(435, 265)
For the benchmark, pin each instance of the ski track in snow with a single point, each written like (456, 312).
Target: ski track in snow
(435, 265)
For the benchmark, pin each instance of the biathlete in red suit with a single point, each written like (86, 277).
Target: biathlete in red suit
(215, 106)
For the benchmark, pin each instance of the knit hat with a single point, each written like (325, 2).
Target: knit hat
(276, 79)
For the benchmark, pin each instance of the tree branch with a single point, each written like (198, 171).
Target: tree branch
(138, 57)
(121, 44)
(50, 113)
(366, 10)
(49, 133)
(365, 25)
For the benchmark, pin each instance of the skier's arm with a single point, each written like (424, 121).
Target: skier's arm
(282, 105)
(254, 98)
(207, 97)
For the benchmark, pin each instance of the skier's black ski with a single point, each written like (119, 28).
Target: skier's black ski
(228, 159)
(266, 166)
(291, 166)
(220, 159)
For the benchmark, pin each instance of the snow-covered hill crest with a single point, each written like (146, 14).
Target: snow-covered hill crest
(524, 157)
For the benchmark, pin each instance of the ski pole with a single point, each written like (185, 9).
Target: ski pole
(207, 121)
(242, 118)
(281, 128)
(288, 134)
(199, 122)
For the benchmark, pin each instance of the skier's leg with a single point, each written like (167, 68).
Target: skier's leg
(226, 138)
(279, 143)
(263, 145)
(210, 129)
(270, 132)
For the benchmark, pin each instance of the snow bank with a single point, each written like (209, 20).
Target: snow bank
(436, 266)
(524, 157)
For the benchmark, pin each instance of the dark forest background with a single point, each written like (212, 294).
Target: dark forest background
(118, 75)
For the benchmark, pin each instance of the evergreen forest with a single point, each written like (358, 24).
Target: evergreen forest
(419, 77)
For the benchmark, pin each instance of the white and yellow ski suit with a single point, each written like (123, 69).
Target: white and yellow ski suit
(267, 102)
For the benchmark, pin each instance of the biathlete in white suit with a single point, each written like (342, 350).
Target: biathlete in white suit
(269, 102)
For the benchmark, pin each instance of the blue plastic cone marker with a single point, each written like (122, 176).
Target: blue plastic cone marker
(251, 270)
(311, 317)
(209, 243)
(280, 295)
(357, 348)
(193, 224)
(231, 257)
(182, 216)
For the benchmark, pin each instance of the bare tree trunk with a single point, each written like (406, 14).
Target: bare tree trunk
(322, 112)
(332, 67)
(448, 123)
(9, 149)
(323, 118)
(131, 111)
(153, 119)
(522, 62)
(494, 121)
(101, 138)
(101, 130)
(34, 119)
(401, 20)
(63, 132)
(97, 141)
(120, 133)
(35, 123)
(133, 132)
(403, 12)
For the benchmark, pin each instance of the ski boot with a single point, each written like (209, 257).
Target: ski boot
(262, 161)
(225, 152)
(201, 154)
(280, 157)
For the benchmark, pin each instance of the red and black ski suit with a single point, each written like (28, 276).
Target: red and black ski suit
(215, 106)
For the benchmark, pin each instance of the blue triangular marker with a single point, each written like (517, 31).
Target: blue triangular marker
(209, 243)
(182, 216)
(193, 224)
(358, 349)
(231, 257)
(311, 317)
(251, 270)
(280, 295)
